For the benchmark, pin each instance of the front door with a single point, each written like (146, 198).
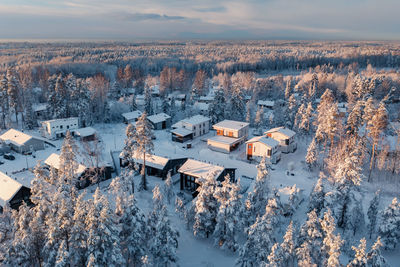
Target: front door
(249, 149)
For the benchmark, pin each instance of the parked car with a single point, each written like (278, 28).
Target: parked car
(1, 162)
(8, 156)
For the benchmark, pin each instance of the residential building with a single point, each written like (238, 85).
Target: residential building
(160, 121)
(190, 128)
(193, 171)
(266, 104)
(131, 117)
(261, 146)
(22, 142)
(285, 137)
(12, 193)
(85, 134)
(230, 134)
(57, 128)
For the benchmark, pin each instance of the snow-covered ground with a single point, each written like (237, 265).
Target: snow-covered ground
(193, 251)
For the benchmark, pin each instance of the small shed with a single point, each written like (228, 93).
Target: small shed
(86, 134)
(12, 193)
(131, 117)
(160, 121)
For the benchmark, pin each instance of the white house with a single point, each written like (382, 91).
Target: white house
(190, 128)
(22, 142)
(54, 129)
(130, 117)
(266, 104)
(160, 121)
(285, 137)
(230, 134)
(261, 146)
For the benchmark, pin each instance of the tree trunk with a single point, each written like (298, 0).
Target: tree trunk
(372, 162)
(144, 172)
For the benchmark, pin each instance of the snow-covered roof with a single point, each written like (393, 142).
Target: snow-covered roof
(8, 188)
(154, 161)
(132, 115)
(286, 192)
(269, 142)
(231, 125)
(267, 103)
(282, 130)
(201, 106)
(84, 132)
(54, 161)
(181, 131)
(224, 139)
(197, 119)
(160, 117)
(39, 107)
(206, 98)
(16, 137)
(61, 120)
(200, 169)
(177, 125)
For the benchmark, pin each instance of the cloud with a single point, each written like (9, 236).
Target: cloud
(148, 16)
(216, 9)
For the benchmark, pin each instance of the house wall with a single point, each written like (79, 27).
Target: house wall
(33, 143)
(198, 129)
(244, 132)
(52, 128)
(23, 195)
(220, 147)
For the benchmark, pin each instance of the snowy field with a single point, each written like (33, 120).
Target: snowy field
(195, 251)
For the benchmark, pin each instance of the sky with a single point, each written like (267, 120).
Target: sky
(131, 20)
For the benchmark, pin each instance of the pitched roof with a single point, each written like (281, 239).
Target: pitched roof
(181, 131)
(269, 142)
(232, 125)
(16, 137)
(224, 140)
(54, 161)
(160, 117)
(197, 119)
(132, 115)
(58, 120)
(39, 107)
(266, 103)
(83, 132)
(200, 169)
(282, 130)
(154, 161)
(8, 188)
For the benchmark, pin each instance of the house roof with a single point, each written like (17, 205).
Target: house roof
(8, 188)
(39, 107)
(160, 117)
(200, 169)
(84, 132)
(197, 119)
(201, 105)
(269, 142)
(16, 137)
(282, 130)
(224, 139)
(266, 103)
(58, 120)
(54, 161)
(206, 98)
(132, 115)
(181, 131)
(154, 161)
(232, 125)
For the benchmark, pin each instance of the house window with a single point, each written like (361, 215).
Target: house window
(61, 127)
(269, 152)
(230, 134)
(220, 132)
(67, 126)
(287, 142)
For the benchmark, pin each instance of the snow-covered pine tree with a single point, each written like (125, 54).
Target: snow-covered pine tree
(68, 165)
(274, 258)
(13, 92)
(312, 154)
(4, 101)
(217, 107)
(29, 118)
(129, 146)
(303, 254)
(292, 109)
(288, 88)
(331, 243)
(259, 119)
(179, 207)
(82, 103)
(79, 235)
(165, 241)
(288, 246)
(168, 188)
(206, 207)
(103, 241)
(148, 103)
(154, 214)
(369, 110)
(373, 213)
(298, 118)
(63, 256)
(313, 86)
(311, 233)
(237, 105)
(360, 255)
(6, 232)
(143, 144)
(323, 113)
(355, 118)
(317, 195)
(374, 256)
(389, 228)
(228, 217)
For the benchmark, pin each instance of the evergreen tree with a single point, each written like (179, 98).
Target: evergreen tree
(168, 188)
(79, 235)
(324, 112)
(217, 107)
(311, 233)
(68, 166)
(331, 243)
(13, 92)
(374, 256)
(259, 119)
(237, 105)
(179, 207)
(312, 155)
(128, 151)
(389, 228)
(206, 207)
(148, 103)
(143, 144)
(303, 254)
(373, 213)
(6, 232)
(4, 100)
(288, 88)
(288, 246)
(355, 120)
(360, 255)
(317, 196)
(274, 259)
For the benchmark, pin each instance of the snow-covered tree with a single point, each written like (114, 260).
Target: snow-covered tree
(148, 103)
(389, 228)
(217, 107)
(288, 246)
(355, 118)
(6, 232)
(374, 256)
(143, 144)
(373, 213)
(317, 196)
(236, 109)
(206, 207)
(360, 255)
(274, 258)
(168, 188)
(331, 243)
(13, 92)
(303, 254)
(325, 111)
(311, 233)
(259, 119)
(179, 207)
(312, 154)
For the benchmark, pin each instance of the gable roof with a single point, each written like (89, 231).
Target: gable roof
(282, 130)
(197, 119)
(154, 161)
(132, 115)
(232, 125)
(160, 117)
(16, 137)
(61, 120)
(181, 131)
(83, 132)
(200, 169)
(54, 161)
(269, 142)
(8, 188)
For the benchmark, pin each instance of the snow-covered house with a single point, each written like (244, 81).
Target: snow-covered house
(12, 193)
(285, 137)
(22, 142)
(160, 121)
(230, 134)
(261, 146)
(201, 107)
(54, 129)
(266, 104)
(85, 134)
(190, 128)
(82, 172)
(206, 99)
(130, 117)
(194, 171)
(158, 165)
(40, 110)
